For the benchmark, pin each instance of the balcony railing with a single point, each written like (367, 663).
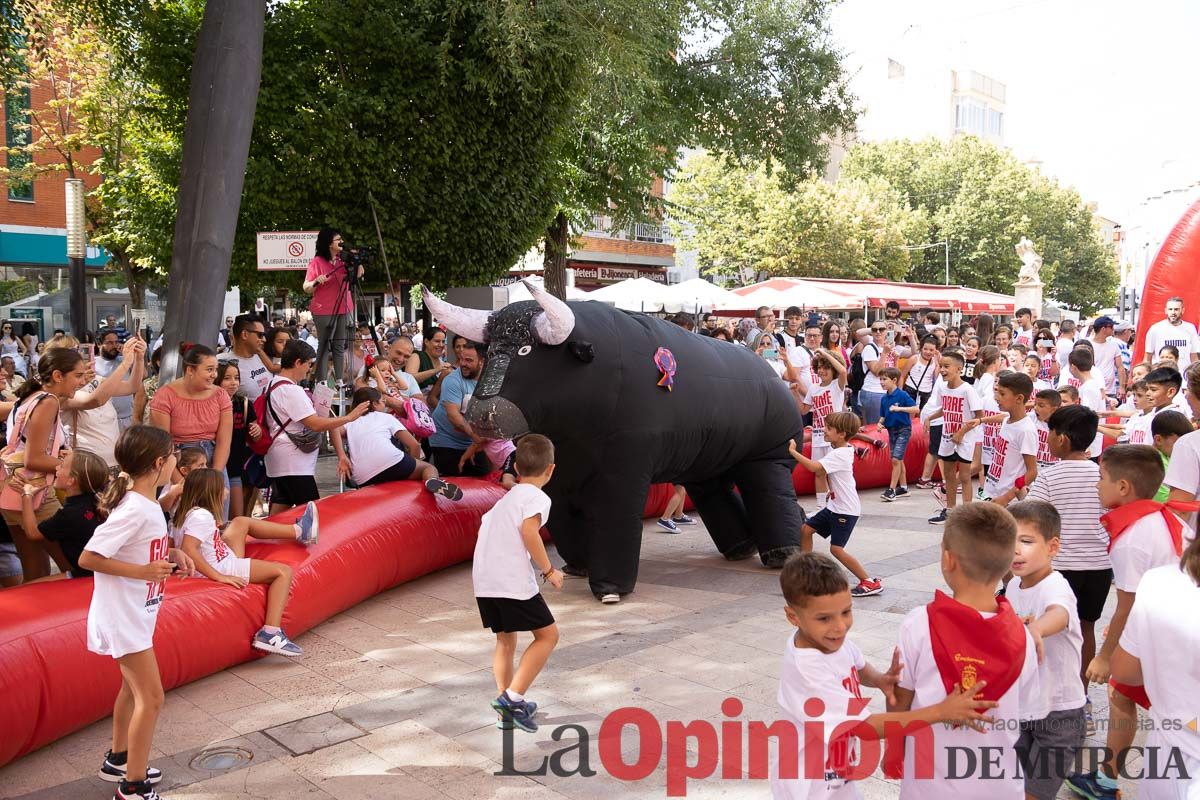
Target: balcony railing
(637, 232)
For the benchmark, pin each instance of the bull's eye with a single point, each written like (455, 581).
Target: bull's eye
(525, 350)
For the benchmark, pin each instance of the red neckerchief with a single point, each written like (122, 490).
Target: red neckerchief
(969, 648)
(1117, 521)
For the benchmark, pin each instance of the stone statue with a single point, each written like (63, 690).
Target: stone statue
(1031, 262)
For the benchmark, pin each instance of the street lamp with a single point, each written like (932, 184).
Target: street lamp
(76, 253)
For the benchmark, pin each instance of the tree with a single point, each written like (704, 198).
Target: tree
(752, 79)
(747, 222)
(981, 200)
(87, 126)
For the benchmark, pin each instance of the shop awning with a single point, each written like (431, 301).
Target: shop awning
(22, 246)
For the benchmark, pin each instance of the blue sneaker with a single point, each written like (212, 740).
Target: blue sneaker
(306, 525)
(1093, 786)
(515, 711)
(277, 643)
(668, 526)
(503, 724)
(683, 519)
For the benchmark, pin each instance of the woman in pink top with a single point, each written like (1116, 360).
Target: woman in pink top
(331, 304)
(193, 410)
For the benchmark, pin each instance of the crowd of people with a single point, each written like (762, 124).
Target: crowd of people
(107, 465)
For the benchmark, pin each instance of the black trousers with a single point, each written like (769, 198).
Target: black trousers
(446, 460)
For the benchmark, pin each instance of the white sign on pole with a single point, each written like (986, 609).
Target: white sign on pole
(285, 249)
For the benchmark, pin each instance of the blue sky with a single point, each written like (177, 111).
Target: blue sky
(1103, 93)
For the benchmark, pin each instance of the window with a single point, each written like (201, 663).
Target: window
(16, 134)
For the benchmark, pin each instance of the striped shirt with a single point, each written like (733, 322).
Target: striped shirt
(1070, 486)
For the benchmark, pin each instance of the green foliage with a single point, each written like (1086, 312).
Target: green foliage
(982, 200)
(744, 222)
(446, 114)
(753, 79)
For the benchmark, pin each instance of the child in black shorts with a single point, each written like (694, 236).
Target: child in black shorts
(508, 550)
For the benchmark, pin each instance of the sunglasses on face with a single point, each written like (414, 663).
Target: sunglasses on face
(259, 334)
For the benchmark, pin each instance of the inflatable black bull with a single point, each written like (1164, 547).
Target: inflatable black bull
(585, 375)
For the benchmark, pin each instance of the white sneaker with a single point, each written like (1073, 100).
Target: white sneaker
(610, 598)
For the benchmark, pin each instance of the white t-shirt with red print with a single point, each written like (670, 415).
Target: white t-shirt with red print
(123, 612)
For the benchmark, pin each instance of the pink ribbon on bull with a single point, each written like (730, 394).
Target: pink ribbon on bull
(664, 359)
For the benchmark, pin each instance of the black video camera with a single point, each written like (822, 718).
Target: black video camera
(355, 257)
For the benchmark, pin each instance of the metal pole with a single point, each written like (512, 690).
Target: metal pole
(946, 244)
(76, 253)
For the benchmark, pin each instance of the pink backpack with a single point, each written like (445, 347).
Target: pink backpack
(416, 418)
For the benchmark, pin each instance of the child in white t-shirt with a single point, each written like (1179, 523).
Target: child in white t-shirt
(1032, 367)
(377, 448)
(1155, 636)
(131, 557)
(837, 519)
(1089, 388)
(1044, 600)
(986, 371)
(1143, 535)
(508, 549)
(821, 663)
(1045, 403)
(959, 403)
(824, 398)
(972, 640)
(1014, 451)
(220, 551)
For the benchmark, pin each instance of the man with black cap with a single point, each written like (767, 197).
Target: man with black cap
(1108, 355)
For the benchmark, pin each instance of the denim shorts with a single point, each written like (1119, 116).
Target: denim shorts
(899, 436)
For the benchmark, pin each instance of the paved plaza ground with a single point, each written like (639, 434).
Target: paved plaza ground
(391, 697)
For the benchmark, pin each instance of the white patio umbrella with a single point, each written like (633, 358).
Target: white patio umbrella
(696, 295)
(634, 294)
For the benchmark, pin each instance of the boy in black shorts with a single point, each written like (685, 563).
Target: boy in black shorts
(507, 552)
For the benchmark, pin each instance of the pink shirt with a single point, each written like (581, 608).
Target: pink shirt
(326, 300)
(192, 420)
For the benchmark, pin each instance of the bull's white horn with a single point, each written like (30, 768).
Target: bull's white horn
(468, 322)
(556, 321)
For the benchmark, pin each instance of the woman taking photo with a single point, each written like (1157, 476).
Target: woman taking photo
(195, 411)
(331, 306)
(295, 427)
(429, 363)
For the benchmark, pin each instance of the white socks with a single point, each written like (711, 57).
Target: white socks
(517, 696)
(822, 499)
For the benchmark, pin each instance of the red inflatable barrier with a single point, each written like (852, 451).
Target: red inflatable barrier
(874, 469)
(1172, 274)
(371, 540)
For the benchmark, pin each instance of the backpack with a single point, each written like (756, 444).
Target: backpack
(857, 374)
(262, 444)
(416, 418)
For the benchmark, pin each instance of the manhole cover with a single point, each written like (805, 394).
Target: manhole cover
(218, 759)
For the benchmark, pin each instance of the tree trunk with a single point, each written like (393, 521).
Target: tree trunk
(226, 70)
(137, 290)
(554, 263)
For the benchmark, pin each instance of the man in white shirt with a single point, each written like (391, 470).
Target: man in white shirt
(1108, 355)
(1173, 331)
(1024, 333)
(108, 359)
